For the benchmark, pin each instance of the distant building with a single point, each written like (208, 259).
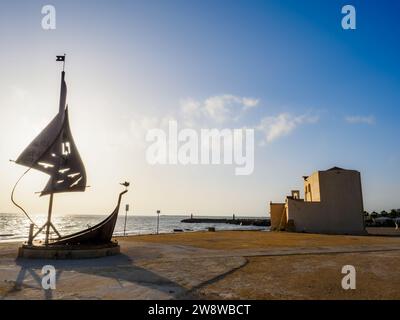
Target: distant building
(332, 204)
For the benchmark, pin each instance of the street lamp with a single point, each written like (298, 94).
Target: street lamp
(126, 215)
(158, 220)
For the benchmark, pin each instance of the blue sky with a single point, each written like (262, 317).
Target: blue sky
(332, 95)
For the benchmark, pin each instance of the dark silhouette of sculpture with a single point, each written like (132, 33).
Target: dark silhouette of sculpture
(54, 152)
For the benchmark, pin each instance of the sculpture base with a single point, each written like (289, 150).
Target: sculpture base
(64, 252)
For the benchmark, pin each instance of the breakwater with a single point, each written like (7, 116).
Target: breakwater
(239, 221)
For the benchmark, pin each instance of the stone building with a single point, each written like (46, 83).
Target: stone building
(332, 204)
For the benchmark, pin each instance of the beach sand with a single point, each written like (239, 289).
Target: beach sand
(216, 265)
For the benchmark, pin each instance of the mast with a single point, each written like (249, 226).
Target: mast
(64, 62)
(63, 89)
(49, 218)
(63, 97)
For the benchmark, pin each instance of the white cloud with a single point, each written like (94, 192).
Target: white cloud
(282, 125)
(215, 111)
(139, 127)
(249, 103)
(191, 111)
(210, 112)
(219, 108)
(360, 119)
(190, 106)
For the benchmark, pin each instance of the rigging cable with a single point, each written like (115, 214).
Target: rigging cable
(16, 204)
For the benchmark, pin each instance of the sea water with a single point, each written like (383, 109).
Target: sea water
(15, 227)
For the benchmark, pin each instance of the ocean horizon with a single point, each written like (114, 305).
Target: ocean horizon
(15, 227)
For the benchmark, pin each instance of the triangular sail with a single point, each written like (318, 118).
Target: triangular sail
(54, 152)
(67, 172)
(41, 144)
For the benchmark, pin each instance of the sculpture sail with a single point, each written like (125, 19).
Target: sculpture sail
(54, 152)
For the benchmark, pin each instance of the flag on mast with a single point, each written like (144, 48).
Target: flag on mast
(60, 58)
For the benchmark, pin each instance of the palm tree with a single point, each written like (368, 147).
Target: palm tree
(384, 213)
(393, 213)
(374, 214)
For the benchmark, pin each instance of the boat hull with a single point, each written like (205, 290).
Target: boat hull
(97, 235)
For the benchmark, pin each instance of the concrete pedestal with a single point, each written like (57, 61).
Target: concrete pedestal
(64, 252)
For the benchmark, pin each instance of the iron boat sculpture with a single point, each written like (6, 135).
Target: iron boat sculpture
(54, 153)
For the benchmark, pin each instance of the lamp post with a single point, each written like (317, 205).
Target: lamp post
(158, 220)
(126, 215)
